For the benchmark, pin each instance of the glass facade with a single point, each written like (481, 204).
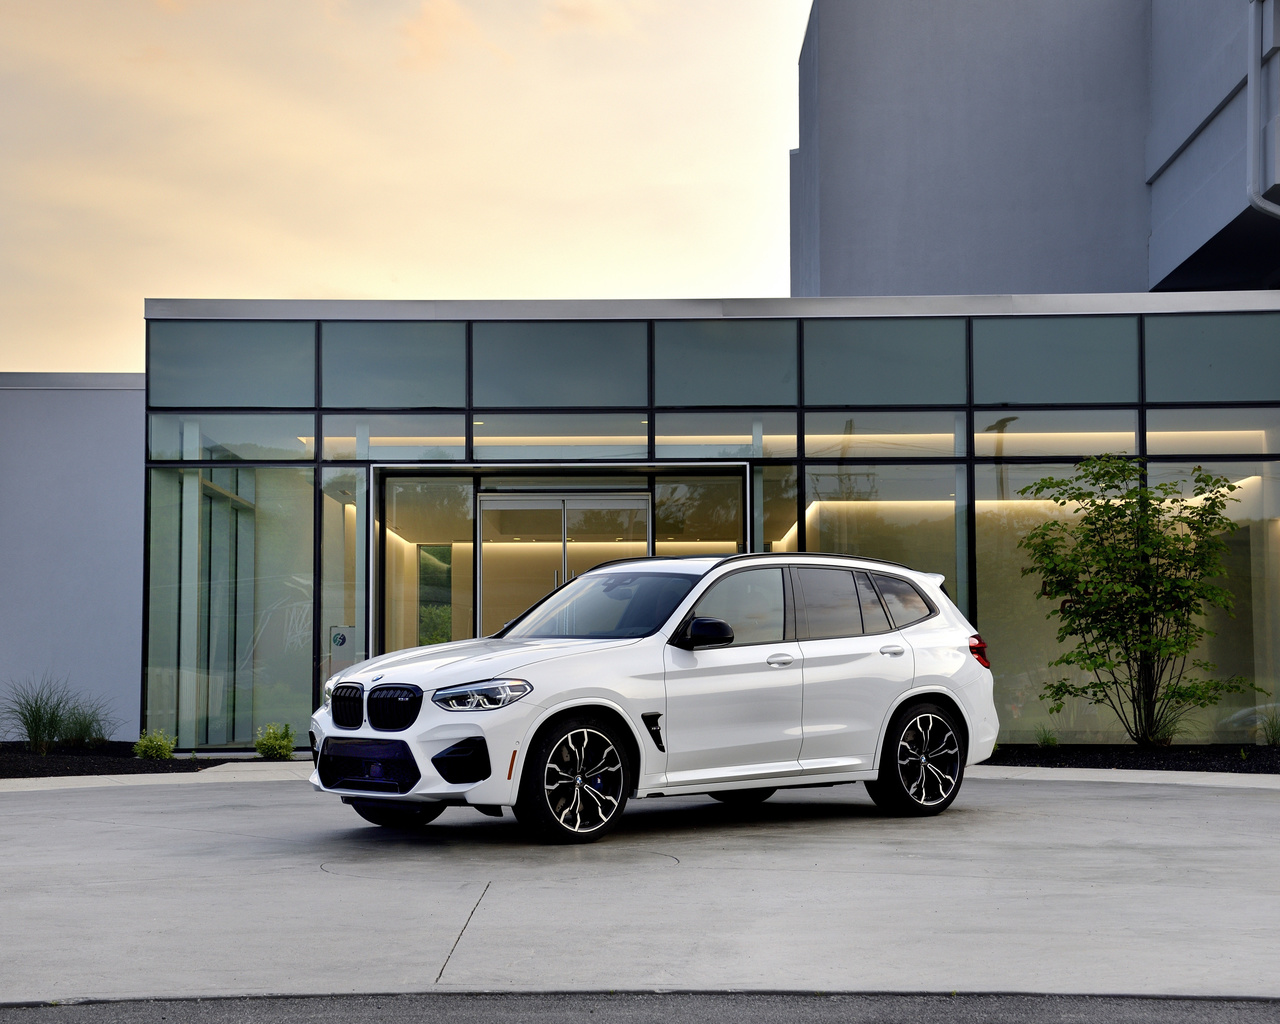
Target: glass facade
(324, 491)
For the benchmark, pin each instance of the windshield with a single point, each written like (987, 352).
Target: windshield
(610, 605)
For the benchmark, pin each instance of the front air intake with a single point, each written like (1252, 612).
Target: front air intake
(369, 766)
(394, 707)
(347, 705)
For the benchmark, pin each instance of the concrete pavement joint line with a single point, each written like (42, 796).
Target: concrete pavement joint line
(460, 934)
(1221, 780)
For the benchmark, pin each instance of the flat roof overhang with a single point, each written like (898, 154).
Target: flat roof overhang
(1098, 304)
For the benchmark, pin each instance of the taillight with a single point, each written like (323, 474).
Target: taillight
(978, 648)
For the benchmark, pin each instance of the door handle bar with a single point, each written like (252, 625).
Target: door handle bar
(893, 650)
(779, 660)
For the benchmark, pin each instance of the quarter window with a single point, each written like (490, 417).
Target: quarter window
(905, 603)
(874, 619)
(830, 603)
(751, 602)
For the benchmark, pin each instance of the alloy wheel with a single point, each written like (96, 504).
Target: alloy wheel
(584, 780)
(928, 759)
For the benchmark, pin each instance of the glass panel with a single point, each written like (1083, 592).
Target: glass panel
(903, 514)
(725, 435)
(234, 438)
(698, 515)
(561, 435)
(1247, 639)
(844, 435)
(344, 533)
(603, 529)
(884, 362)
(1213, 431)
(725, 362)
(1036, 432)
(428, 561)
(393, 365)
(874, 618)
(231, 362)
(551, 482)
(613, 605)
(550, 364)
(751, 602)
(902, 599)
(394, 438)
(774, 503)
(1233, 357)
(230, 602)
(1041, 360)
(830, 603)
(521, 559)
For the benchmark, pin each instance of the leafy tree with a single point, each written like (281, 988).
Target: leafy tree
(1134, 570)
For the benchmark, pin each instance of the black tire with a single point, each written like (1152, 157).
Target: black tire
(922, 764)
(575, 782)
(743, 797)
(400, 816)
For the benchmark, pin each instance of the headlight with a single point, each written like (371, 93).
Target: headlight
(495, 693)
(328, 688)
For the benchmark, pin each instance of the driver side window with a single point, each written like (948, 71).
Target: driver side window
(751, 602)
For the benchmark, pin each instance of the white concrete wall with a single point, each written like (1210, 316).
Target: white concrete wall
(72, 448)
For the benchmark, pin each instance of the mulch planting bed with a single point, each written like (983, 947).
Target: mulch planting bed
(17, 762)
(1207, 757)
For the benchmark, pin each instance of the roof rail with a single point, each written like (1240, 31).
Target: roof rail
(817, 554)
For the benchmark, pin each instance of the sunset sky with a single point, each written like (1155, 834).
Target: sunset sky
(382, 149)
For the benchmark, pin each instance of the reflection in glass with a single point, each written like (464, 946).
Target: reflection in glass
(725, 362)
(394, 438)
(884, 362)
(239, 363)
(233, 438)
(613, 605)
(521, 558)
(428, 568)
(698, 515)
(343, 544)
(561, 435)
(1213, 431)
(393, 364)
(997, 432)
(751, 602)
(851, 435)
(229, 642)
(907, 514)
(1050, 360)
(1199, 357)
(550, 364)
(725, 435)
(773, 502)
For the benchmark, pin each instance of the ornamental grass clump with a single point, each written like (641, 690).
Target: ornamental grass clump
(275, 743)
(1133, 572)
(46, 712)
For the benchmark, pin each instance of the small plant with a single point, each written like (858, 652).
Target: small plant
(86, 722)
(154, 745)
(1045, 736)
(1269, 728)
(275, 743)
(36, 708)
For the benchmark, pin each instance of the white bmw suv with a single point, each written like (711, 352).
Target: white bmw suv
(731, 676)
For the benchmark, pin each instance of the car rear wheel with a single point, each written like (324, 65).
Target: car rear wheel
(743, 797)
(406, 816)
(922, 764)
(575, 782)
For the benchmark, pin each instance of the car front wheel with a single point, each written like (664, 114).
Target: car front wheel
(922, 764)
(402, 816)
(575, 782)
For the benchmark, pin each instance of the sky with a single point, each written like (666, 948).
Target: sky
(394, 149)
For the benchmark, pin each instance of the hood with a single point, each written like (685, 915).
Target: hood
(466, 661)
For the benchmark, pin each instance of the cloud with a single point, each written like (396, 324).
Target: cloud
(441, 29)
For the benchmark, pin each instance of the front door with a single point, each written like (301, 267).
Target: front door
(531, 544)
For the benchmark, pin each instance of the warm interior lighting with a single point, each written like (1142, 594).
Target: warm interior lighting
(839, 444)
(559, 440)
(1054, 442)
(1171, 442)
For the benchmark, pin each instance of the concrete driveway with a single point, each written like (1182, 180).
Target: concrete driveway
(257, 885)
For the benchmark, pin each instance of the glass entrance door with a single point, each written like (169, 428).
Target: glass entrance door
(530, 544)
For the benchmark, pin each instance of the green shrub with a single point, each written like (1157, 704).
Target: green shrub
(1045, 736)
(35, 709)
(86, 722)
(274, 743)
(154, 745)
(1269, 727)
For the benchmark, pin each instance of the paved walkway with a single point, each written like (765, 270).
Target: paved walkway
(207, 885)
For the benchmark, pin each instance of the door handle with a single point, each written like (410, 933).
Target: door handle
(893, 650)
(779, 660)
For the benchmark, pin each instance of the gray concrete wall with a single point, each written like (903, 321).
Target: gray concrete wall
(978, 146)
(71, 525)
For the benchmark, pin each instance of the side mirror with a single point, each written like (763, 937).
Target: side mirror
(705, 632)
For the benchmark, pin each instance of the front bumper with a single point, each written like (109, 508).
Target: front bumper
(458, 757)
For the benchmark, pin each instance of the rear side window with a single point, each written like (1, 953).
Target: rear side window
(874, 619)
(751, 602)
(905, 603)
(830, 603)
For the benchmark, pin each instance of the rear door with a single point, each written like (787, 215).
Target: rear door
(855, 666)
